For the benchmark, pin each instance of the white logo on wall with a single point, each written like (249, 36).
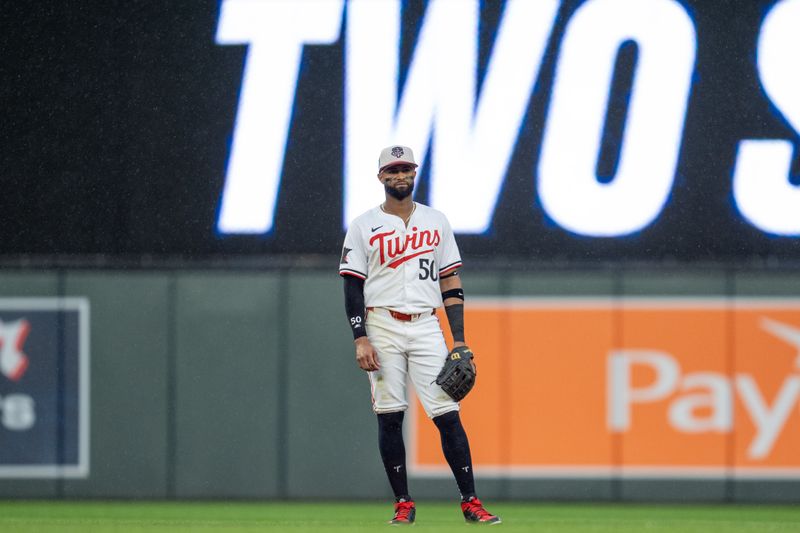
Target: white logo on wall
(44, 387)
(17, 411)
(768, 420)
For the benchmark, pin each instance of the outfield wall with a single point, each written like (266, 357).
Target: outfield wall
(242, 384)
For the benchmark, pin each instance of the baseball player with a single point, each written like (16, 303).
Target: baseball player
(399, 263)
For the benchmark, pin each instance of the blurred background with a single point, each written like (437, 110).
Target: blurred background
(623, 177)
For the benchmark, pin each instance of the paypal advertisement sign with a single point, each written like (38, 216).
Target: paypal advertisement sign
(44, 388)
(580, 130)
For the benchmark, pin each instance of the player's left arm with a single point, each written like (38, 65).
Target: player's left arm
(453, 298)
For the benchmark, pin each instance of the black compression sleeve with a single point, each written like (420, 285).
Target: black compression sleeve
(354, 304)
(455, 315)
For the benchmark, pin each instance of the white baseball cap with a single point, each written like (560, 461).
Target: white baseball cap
(396, 155)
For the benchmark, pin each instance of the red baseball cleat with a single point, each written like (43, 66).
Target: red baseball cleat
(475, 513)
(404, 513)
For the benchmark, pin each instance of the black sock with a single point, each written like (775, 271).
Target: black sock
(456, 450)
(393, 452)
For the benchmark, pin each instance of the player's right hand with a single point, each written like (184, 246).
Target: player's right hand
(366, 356)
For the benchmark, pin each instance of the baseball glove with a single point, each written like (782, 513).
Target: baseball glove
(458, 374)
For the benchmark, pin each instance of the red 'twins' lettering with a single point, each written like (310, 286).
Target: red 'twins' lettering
(390, 247)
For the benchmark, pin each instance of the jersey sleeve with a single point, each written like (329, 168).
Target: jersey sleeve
(449, 256)
(354, 255)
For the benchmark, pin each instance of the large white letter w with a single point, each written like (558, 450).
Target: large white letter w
(473, 138)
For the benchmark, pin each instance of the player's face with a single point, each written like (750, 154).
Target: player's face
(398, 180)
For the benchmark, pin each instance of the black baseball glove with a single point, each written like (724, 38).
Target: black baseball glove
(458, 374)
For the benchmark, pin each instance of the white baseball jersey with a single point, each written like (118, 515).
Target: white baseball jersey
(401, 265)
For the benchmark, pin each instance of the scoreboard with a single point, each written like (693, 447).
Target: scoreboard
(616, 130)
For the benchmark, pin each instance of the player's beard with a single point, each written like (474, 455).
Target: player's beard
(399, 194)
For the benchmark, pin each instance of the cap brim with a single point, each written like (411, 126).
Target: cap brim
(395, 163)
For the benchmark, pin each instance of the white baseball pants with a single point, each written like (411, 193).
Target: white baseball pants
(412, 349)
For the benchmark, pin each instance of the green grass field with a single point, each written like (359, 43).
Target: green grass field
(45, 517)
